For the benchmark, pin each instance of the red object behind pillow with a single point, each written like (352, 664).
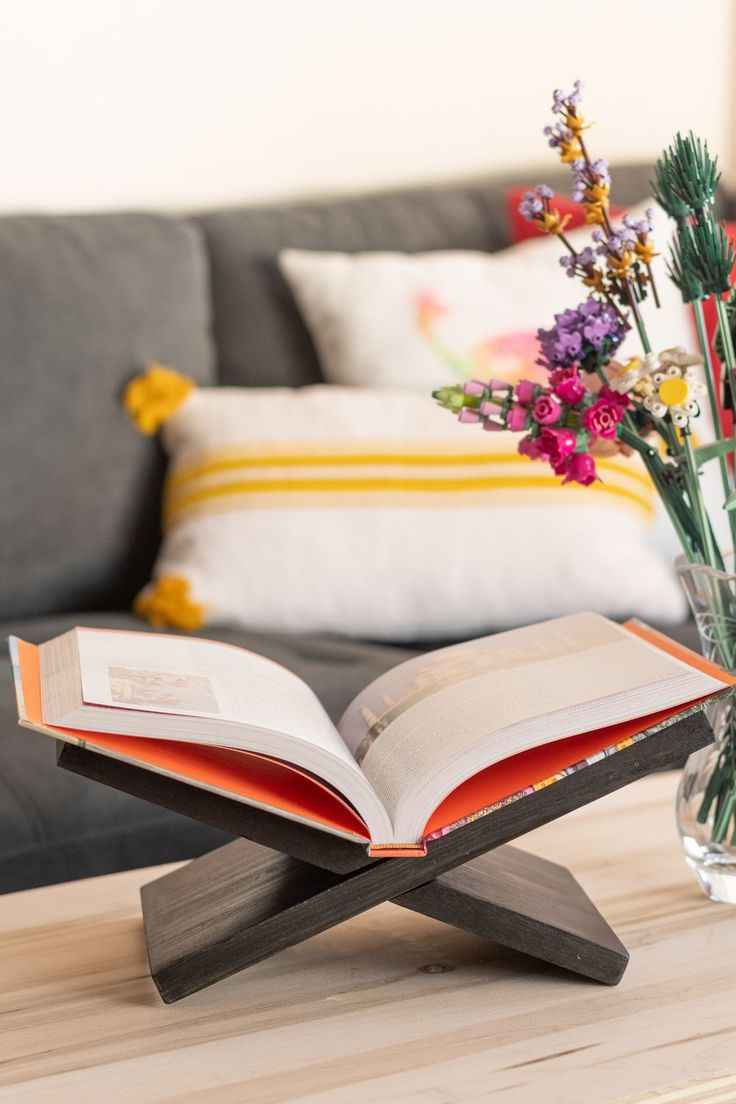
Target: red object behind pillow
(520, 230)
(711, 325)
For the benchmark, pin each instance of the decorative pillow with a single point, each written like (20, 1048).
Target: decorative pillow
(372, 513)
(420, 320)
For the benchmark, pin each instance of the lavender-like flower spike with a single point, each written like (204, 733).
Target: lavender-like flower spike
(568, 263)
(531, 206)
(641, 226)
(544, 191)
(561, 100)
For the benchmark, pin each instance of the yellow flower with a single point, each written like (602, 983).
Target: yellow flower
(595, 214)
(167, 603)
(153, 396)
(576, 123)
(645, 251)
(595, 281)
(570, 151)
(620, 267)
(553, 222)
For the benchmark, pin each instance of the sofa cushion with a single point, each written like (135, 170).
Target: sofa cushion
(56, 826)
(86, 301)
(260, 337)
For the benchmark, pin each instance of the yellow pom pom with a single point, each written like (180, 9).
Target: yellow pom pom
(153, 396)
(167, 602)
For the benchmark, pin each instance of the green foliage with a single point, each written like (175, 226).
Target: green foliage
(731, 315)
(679, 271)
(707, 255)
(689, 173)
(662, 191)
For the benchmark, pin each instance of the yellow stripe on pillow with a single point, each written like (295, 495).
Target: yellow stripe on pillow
(425, 477)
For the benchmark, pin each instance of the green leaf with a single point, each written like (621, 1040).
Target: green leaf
(730, 503)
(714, 450)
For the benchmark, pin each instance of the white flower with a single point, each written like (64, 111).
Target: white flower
(664, 384)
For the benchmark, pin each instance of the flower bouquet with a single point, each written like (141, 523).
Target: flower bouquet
(593, 405)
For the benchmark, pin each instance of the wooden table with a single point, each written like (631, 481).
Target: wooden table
(390, 1006)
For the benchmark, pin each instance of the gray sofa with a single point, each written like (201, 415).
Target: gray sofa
(85, 302)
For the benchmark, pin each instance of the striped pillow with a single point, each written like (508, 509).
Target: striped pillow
(375, 514)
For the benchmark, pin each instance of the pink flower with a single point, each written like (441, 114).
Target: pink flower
(490, 409)
(474, 387)
(567, 385)
(602, 418)
(529, 446)
(556, 445)
(524, 391)
(579, 468)
(546, 410)
(467, 414)
(516, 419)
(613, 397)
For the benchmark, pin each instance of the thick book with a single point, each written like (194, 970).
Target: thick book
(439, 740)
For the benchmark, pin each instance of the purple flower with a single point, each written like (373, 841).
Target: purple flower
(586, 257)
(568, 263)
(599, 169)
(530, 206)
(579, 182)
(544, 191)
(561, 100)
(547, 410)
(588, 336)
(557, 134)
(641, 226)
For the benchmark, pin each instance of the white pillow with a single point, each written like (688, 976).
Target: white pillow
(421, 320)
(376, 514)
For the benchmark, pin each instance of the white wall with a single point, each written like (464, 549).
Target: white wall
(181, 103)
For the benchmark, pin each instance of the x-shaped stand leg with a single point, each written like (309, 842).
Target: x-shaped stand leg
(244, 902)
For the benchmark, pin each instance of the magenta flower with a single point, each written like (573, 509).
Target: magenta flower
(580, 468)
(524, 392)
(546, 410)
(602, 418)
(614, 397)
(516, 419)
(567, 385)
(529, 446)
(555, 445)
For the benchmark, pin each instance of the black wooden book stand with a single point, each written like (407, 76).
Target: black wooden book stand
(283, 882)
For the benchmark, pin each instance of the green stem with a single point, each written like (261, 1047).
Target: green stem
(714, 409)
(678, 515)
(696, 501)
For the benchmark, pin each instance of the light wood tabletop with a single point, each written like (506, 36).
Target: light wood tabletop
(390, 1006)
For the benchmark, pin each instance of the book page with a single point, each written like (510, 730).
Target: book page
(423, 716)
(186, 676)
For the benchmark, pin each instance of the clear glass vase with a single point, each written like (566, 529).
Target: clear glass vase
(706, 799)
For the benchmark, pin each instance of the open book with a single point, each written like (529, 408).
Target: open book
(436, 741)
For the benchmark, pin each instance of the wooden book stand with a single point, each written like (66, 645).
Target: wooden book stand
(283, 882)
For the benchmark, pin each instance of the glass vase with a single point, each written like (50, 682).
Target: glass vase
(706, 799)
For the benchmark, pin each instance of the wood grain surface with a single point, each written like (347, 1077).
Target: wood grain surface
(390, 1006)
(243, 903)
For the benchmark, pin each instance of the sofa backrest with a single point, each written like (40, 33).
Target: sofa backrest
(260, 338)
(85, 302)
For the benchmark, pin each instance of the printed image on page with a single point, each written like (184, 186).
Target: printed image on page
(201, 678)
(393, 694)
